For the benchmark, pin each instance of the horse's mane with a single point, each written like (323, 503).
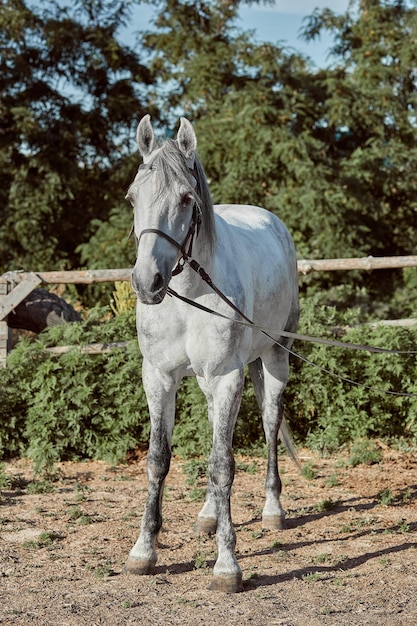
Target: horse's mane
(173, 167)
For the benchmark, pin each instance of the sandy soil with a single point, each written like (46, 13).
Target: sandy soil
(348, 557)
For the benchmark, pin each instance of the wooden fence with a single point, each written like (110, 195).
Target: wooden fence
(16, 286)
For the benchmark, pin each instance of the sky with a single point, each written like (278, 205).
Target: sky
(282, 23)
(278, 24)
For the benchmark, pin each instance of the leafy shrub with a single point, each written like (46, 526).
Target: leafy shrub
(75, 405)
(328, 411)
(80, 405)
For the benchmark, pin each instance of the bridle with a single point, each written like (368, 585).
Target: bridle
(186, 247)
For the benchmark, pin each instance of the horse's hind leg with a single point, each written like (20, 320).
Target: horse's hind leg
(160, 393)
(270, 378)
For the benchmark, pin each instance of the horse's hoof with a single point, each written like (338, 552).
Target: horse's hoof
(139, 567)
(227, 584)
(274, 522)
(207, 525)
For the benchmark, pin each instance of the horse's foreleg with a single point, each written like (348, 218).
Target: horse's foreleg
(227, 393)
(275, 380)
(207, 518)
(160, 394)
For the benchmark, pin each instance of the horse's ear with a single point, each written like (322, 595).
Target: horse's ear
(145, 136)
(187, 141)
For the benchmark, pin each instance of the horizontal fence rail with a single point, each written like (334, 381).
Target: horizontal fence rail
(364, 263)
(16, 285)
(305, 266)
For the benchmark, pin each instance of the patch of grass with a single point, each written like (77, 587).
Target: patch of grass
(332, 480)
(130, 515)
(364, 452)
(76, 514)
(40, 487)
(346, 528)
(404, 527)
(126, 604)
(6, 480)
(407, 496)
(326, 610)
(326, 505)
(322, 558)
(308, 471)
(257, 534)
(364, 522)
(340, 559)
(197, 495)
(386, 497)
(195, 469)
(44, 540)
(200, 561)
(249, 468)
(101, 571)
(124, 477)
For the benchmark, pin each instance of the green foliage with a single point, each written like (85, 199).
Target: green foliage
(364, 452)
(192, 433)
(69, 93)
(6, 480)
(331, 151)
(386, 497)
(75, 405)
(328, 411)
(79, 405)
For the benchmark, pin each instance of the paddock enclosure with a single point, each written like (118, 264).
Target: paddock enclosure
(348, 556)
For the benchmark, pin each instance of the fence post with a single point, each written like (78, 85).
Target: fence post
(5, 331)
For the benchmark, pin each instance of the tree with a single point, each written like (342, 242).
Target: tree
(70, 94)
(332, 151)
(368, 128)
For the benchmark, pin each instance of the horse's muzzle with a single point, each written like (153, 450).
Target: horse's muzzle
(152, 294)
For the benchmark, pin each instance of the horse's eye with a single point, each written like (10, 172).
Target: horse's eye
(186, 199)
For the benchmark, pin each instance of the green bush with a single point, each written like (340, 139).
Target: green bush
(326, 411)
(79, 405)
(75, 405)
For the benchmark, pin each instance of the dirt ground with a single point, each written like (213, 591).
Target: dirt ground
(348, 557)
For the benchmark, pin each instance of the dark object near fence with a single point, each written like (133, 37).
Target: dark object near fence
(42, 309)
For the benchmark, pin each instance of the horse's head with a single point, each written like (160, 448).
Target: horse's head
(164, 198)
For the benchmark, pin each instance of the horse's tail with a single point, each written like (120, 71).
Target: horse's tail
(287, 439)
(257, 376)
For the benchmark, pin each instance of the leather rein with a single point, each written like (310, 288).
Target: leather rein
(186, 257)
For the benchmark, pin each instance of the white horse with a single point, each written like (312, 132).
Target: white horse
(249, 255)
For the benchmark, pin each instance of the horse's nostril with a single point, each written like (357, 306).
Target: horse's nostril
(158, 283)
